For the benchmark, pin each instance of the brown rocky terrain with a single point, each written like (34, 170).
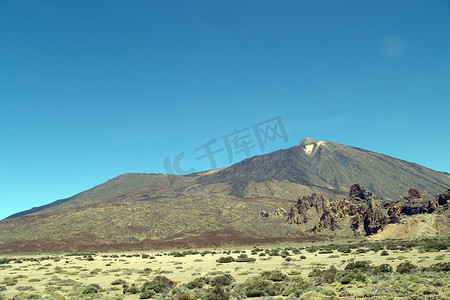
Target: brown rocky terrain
(362, 212)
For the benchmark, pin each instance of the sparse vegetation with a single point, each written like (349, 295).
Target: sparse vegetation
(202, 275)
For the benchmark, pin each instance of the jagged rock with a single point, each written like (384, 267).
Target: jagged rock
(394, 213)
(415, 206)
(413, 203)
(439, 203)
(358, 192)
(365, 216)
(444, 198)
(315, 201)
(365, 213)
(307, 210)
(374, 218)
(413, 194)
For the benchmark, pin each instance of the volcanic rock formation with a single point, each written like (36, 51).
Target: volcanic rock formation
(362, 212)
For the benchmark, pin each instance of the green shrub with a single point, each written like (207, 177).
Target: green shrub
(118, 282)
(349, 276)
(295, 251)
(329, 275)
(180, 294)
(197, 283)
(344, 249)
(439, 282)
(147, 294)
(275, 275)
(91, 289)
(302, 257)
(362, 265)
(295, 288)
(130, 289)
(385, 268)
(405, 267)
(244, 258)
(384, 253)
(258, 287)
(222, 280)
(216, 293)
(143, 255)
(159, 284)
(347, 279)
(224, 260)
(178, 254)
(23, 296)
(8, 281)
(25, 288)
(361, 250)
(439, 267)
(311, 249)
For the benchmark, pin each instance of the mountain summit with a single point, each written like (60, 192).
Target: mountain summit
(229, 205)
(332, 168)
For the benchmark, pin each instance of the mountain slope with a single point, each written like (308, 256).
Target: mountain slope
(218, 206)
(115, 187)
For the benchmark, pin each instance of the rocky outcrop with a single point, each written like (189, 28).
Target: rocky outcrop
(413, 203)
(360, 212)
(308, 210)
(413, 194)
(265, 214)
(280, 212)
(439, 203)
(394, 213)
(364, 213)
(358, 192)
(371, 217)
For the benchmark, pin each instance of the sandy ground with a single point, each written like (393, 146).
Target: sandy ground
(104, 270)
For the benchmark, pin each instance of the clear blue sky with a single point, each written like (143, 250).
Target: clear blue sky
(93, 89)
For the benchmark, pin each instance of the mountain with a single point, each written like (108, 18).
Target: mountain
(333, 168)
(247, 202)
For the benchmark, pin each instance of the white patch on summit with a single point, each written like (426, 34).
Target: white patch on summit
(309, 148)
